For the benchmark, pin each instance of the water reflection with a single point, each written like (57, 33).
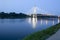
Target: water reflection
(33, 21)
(41, 21)
(12, 20)
(53, 21)
(29, 20)
(46, 22)
(58, 20)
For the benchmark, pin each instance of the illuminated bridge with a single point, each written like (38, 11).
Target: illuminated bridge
(36, 12)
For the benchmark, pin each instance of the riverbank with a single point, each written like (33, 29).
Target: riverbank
(44, 34)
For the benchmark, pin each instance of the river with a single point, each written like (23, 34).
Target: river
(17, 29)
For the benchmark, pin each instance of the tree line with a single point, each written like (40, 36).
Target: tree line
(12, 15)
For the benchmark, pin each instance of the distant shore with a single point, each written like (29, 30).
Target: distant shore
(13, 15)
(44, 34)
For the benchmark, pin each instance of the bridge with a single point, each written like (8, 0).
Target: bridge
(35, 11)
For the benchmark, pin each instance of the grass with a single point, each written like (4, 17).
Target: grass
(44, 34)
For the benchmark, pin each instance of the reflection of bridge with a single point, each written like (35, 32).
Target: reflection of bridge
(33, 21)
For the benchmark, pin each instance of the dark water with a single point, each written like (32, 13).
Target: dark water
(17, 29)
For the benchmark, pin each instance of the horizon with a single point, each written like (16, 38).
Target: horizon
(50, 6)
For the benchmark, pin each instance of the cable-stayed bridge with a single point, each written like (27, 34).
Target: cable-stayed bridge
(35, 11)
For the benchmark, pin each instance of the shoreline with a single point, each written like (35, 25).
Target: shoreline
(44, 34)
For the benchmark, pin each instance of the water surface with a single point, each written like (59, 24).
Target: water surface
(17, 29)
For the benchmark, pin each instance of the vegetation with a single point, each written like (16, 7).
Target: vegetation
(42, 35)
(12, 15)
(22, 15)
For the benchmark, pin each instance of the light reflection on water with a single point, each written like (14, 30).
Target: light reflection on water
(33, 21)
(19, 28)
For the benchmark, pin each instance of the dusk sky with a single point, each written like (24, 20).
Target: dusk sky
(51, 6)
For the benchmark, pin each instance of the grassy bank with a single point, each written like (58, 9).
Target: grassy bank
(42, 35)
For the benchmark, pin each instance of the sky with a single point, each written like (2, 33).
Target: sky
(51, 6)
